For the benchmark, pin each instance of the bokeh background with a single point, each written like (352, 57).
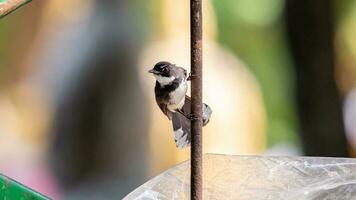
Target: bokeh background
(77, 113)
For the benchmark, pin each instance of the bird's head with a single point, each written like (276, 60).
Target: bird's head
(163, 72)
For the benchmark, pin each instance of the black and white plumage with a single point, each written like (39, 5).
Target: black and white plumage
(170, 91)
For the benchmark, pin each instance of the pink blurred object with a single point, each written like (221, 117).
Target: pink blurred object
(38, 178)
(350, 117)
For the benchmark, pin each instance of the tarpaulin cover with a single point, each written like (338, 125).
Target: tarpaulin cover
(257, 177)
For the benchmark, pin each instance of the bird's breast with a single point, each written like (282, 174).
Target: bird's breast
(177, 96)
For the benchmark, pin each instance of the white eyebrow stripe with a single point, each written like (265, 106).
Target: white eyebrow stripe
(164, 80)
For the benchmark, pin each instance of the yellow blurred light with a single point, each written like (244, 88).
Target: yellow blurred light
(67, 10)
(175, 15)
(238, 121)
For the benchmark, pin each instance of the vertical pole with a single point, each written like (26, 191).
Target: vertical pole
(196, 94)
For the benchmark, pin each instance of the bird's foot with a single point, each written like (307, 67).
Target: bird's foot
(190, 76)
(192, 117)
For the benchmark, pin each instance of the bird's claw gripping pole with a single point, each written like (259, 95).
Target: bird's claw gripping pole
(196, 94)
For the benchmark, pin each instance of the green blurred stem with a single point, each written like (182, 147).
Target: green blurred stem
(8, 6)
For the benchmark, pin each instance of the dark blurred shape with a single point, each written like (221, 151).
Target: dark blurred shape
(310, 26)
(100, 126)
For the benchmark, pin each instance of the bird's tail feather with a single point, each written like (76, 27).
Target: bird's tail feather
(181, 123)
(181, 127)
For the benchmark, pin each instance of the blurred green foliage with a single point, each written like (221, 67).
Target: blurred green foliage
(10, 189)
(344, 8)
(253, 30)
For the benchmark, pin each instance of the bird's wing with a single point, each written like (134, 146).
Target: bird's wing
(165, 110)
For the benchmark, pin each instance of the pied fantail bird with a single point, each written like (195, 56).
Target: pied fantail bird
(170, 92)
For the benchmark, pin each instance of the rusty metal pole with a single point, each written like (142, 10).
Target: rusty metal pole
(196, 181)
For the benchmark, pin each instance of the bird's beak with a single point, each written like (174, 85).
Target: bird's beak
(152, 71)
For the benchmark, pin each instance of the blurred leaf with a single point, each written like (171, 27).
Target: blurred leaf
(253, 30)
(10, 189)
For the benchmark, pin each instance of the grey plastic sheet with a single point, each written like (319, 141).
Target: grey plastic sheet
(256, 178)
